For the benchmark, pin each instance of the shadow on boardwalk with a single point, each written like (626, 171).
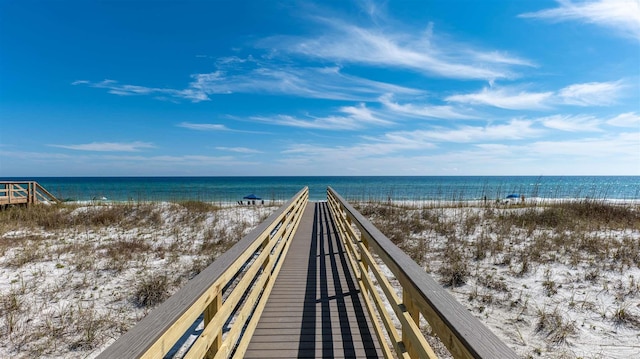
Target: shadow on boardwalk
(315, 309)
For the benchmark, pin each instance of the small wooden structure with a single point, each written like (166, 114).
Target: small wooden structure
(25, 192)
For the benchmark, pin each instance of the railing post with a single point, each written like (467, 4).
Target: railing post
(209, 313)
(31, 193)
(364, 238)
(414, 312)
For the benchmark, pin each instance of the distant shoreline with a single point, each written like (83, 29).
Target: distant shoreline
(410, 203)
(355, 188)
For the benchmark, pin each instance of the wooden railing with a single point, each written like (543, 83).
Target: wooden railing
(462, 334)
(26, 192)
(228, 296)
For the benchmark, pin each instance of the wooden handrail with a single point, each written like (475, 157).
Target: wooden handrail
(21, 192)
(235, 286)
(463, 334)
(43, 194)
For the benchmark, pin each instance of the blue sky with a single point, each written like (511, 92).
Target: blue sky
(187, 88)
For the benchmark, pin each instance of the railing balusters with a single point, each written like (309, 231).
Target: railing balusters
(259, 257)
(28, 192)
(460, 332)
(209, 314)
(251, 267)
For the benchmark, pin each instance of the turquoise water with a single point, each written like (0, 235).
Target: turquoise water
(352, 188)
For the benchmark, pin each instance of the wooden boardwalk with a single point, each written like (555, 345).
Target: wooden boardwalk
(26, 192)
(310, 304)
(315, 309)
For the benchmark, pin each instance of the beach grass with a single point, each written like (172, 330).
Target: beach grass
(553, 279)
(73, 277)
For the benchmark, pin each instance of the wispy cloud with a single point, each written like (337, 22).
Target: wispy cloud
(413, 49)
(592, 93)
(214, 127)
(352, 118)
(422, 111)
(623, 16)
(440, 150)
(204, 126)
(342, 43)
(515, 98)
(506, 97)
(108, 146)
(625, 144)
(238, 150)
(571, 123)
(310, 82)
(369, 148)
(418, 140)
(390, 154)
(115, 88)
(513, 130)
(629, 119)
(36, 156)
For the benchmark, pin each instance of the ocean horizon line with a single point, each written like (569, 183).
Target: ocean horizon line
(233, 188)
(304, 176)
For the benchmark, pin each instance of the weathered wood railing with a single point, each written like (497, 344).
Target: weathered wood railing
(233, 289)
(27, 192)
(462, 334)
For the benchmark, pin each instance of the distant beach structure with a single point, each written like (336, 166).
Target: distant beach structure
(252, 198)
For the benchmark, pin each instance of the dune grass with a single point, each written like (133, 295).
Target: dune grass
(546, 277)
(75, 277)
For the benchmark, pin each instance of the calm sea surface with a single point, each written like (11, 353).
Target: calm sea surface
(352, 188)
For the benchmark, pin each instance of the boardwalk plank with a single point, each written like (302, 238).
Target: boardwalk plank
(315, 309)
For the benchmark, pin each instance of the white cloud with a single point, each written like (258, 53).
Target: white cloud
(370, 148)
(571, 123)
(591, 93)
(115, 88)
(212, 127)
(35, 156)
(419, 140)
(321, 82)
(421, 111)
(414, 50)
(355, 117)
(513, 130)
(439, 151)
(507, 98)
(238, 149)
(108, 146)
(625, 144)
(629, 119)
(623, 16)
(514, 98)
(204, 126)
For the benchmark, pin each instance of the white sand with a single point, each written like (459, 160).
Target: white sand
(511, 305)
(73, 300)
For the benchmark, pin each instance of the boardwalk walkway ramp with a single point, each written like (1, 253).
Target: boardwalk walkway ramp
(311, 281)
(315, 308)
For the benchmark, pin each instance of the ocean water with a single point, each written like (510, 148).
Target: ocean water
(232, 189)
